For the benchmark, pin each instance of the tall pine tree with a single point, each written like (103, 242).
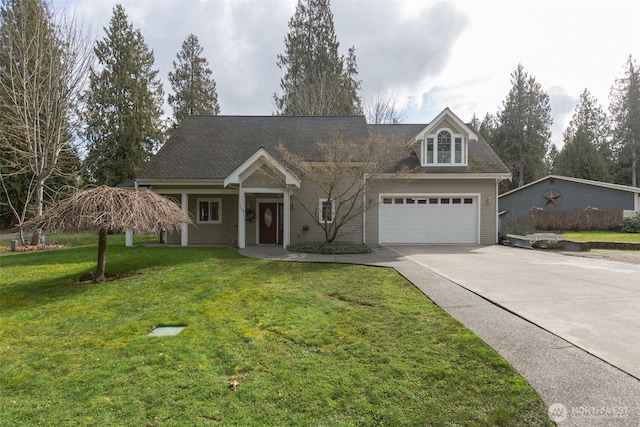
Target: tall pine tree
(587, 151)
(523, 129)
(192, 83)
(624, 107)
(124, 105)
(317, 80)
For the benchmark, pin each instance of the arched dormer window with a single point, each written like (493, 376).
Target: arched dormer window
(444, 148)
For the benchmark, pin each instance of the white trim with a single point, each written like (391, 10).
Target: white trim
(209, 200)
(265, 190)
(321, 211)
(160, 182)
(286, 219)
(471, 135)
(184, 235)
(579, 181)
(242, 235)
(452, 147)
(476, 196)
(212, 191)
(443, 175)
(254, 162)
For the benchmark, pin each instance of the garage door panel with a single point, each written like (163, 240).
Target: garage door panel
(452, 219)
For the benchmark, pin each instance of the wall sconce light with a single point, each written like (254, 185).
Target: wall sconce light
(489, 200)
(305, 228)
(293, 204)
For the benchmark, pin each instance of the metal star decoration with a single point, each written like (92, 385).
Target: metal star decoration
(552, 197)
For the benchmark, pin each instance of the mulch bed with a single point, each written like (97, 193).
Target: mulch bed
(27, 248)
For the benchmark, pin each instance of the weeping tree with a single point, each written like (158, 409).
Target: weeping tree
(110, 210)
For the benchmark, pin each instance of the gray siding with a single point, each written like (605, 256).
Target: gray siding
(485, 188)
(575, 196)
(261, 178)
(309, 197)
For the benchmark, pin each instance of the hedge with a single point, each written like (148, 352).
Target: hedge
(585, 220)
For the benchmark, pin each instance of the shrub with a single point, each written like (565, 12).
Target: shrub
(329, 248)
(630, 225)
(518, 226)
(585, 220)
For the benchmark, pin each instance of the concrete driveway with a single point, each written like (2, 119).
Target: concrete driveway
(592, 303)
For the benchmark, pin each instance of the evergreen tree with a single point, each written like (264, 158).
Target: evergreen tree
(624, 107)
(488, 127)
(192, 83)
(586, 152)
(317, 80)
(524, 129)
(124, 105)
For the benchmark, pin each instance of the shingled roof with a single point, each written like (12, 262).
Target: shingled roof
(212, 147)
(482, 158)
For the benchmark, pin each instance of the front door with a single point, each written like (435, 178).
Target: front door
(268, 223)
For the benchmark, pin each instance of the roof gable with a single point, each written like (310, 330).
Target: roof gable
(579, 181)
(449, 120)
(255, 162)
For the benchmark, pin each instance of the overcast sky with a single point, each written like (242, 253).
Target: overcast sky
(431, 54)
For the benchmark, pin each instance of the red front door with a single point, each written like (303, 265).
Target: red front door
(268, 223)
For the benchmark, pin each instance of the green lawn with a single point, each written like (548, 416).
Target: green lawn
(602, 236)
(309, 344)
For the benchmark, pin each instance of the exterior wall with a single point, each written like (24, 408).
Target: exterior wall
(260, 178)
(485, 188)
(575, 196)
(223, 234)
(309, 196)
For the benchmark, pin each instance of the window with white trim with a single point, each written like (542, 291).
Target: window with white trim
(444, 148)
(209, 211)
(326, 210)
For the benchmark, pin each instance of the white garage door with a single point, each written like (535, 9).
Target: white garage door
(428, 219)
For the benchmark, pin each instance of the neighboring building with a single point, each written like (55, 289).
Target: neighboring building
(562, 193)
(214, 167)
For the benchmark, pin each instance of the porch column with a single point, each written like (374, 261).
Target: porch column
(286, 218)
(241, 218)
(128, 238)
(184, 235)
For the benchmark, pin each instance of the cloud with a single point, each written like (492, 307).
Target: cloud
(562, 107)
(398, 48)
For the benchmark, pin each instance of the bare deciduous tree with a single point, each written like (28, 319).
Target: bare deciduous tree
(346, 170)
(44, 63)
(106, 209)
(384, 109)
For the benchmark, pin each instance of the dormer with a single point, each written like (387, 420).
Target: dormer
(445, 141)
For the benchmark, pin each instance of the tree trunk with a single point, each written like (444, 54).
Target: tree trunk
(102, 247)
(39, 193)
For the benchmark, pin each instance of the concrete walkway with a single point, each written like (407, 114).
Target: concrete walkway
(580, 388)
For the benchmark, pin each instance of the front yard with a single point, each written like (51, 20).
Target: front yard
(308, 344)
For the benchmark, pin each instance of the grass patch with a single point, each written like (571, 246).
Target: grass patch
(309, 344)
(336, 248)
(602, 236)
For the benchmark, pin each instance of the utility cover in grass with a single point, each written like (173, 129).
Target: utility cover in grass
(166, 331)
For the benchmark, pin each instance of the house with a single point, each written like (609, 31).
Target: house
(563, 193)
(216, 168)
